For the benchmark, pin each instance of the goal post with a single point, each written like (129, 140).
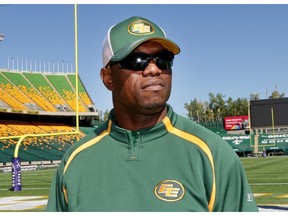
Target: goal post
(16, 161)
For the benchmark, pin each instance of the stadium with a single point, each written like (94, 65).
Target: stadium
(43, 113)
(37, 103)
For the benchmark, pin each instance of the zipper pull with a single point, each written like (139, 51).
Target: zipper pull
(134, 147)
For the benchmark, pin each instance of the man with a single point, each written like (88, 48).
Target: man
(146, 157)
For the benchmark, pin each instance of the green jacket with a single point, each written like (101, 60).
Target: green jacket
(176, 165)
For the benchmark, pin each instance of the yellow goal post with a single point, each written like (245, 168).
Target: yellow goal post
(16, 161)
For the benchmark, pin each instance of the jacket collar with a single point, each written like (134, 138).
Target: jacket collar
(146, 135)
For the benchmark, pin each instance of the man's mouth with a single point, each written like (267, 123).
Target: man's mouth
(153, 85)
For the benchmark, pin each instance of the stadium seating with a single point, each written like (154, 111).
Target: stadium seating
(11, 95)
(26, 87)
(215, 126)
(42, 92)
(82, 92)
(63, 86)
(41, 83)
(35, 148)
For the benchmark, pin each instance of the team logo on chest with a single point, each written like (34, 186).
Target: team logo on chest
(169, 190)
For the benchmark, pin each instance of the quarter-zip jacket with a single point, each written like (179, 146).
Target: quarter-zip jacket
(176, 165)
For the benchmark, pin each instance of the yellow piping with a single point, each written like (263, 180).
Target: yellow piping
(83, 147)
(203, 146)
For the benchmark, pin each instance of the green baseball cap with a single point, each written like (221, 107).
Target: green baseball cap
(127, 35)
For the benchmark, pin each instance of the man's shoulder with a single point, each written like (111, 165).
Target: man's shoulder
(203, 137)
(88, 137)
(209, 137)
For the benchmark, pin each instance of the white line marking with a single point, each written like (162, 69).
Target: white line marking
(22, 203)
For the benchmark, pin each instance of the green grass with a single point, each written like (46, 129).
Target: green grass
(34, 183)
(40, 179)
(267, 176)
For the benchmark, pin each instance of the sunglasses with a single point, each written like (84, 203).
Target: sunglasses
(138, 61)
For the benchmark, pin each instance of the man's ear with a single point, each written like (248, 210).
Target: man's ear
(106, 77)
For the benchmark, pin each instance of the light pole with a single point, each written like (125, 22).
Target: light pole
(1, 37)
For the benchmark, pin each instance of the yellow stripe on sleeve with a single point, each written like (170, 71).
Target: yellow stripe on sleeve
(203, 146)
(83, 147)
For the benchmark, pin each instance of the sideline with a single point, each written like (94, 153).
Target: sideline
(272, 208)
(21, 203)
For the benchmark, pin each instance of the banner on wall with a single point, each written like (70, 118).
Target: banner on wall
(239, 143)
(236, 123)
(265, 139)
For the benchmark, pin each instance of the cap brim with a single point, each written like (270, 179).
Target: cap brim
(125, 51)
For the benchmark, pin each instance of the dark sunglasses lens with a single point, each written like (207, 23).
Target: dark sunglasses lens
(164, 60)
(139, 62)
(134, 63)
(164, 64)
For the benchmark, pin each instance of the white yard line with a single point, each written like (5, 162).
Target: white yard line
(281, 183)
(22, 203)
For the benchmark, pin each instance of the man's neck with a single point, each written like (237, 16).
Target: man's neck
(138, 121)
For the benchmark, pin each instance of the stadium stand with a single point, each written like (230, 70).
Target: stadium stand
(42, 103)
(65, 89)
(82, 91)
(43, 148)
(27, 88)
(11, 95)
(215, 126)
(41, 83)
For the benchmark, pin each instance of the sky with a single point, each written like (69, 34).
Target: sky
(234, 50)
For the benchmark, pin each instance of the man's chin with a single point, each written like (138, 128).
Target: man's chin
(154, 107)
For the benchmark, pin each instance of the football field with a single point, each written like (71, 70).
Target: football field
(268, 178)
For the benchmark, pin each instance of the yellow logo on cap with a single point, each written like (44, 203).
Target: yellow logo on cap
(140, 27)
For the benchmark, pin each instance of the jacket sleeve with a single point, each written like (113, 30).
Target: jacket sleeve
(56, 199)
(233, 192)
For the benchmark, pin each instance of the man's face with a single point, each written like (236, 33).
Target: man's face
(143, 91)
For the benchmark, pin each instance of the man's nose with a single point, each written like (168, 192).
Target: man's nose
(152, 69)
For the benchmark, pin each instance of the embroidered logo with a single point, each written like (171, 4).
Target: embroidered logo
(140, 27)
(250, 197)
(169, 190)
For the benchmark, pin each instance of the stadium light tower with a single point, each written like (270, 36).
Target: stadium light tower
(1, 37)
